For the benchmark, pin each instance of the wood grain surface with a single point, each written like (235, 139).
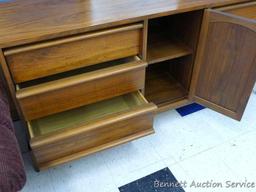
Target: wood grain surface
(225, 70)
(44, 59)
(71, 92)
(26, 21)
(91, 128)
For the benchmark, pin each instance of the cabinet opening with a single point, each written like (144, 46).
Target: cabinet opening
(173, 36)
(168, 82)
(172, 45)
(86, 114)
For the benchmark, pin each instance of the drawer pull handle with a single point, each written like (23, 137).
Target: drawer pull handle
(17, 50)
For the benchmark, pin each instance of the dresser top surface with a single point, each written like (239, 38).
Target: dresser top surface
(26, 21)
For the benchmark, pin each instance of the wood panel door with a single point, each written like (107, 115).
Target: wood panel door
(225, 68)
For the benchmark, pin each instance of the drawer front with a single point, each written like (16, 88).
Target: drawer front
(62, 146)
(41, 60)
(65, 94)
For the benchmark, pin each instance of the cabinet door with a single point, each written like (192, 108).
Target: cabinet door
(225, 67)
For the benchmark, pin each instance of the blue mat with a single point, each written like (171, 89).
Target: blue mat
(192, 108)
(160, 181)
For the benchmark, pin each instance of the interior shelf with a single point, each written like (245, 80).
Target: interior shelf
(172, 43)
(161, 87)
(162, 48)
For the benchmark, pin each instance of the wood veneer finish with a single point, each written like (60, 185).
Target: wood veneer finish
(65, 21)
(161, 88)
(247, 10)
(187, 29)
(84, 114)
(26, 21)
(225, 70)
(71, 92)
(89, 128)
(167, 42)
(161, 48)
(40, 60)
(86, 152)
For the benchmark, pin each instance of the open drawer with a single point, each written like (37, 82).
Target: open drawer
(73, 134)
(81, 87)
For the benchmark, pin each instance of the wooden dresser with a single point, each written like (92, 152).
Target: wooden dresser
(89, 75)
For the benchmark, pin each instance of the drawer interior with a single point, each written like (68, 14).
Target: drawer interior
(85, 114)
(247, 10)
(78, 72)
